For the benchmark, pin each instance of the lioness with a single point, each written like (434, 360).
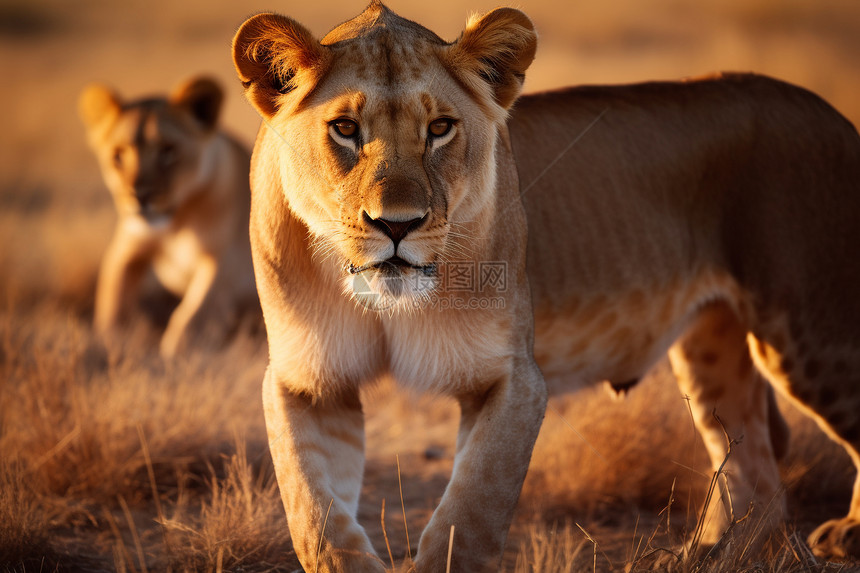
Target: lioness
(181, 190)
(712, 217)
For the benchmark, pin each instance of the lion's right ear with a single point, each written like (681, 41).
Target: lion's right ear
(493, 53)
(201, 97)
(275, 56)
(96, 104)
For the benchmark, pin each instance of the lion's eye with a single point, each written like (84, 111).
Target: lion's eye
(346, 128)
(117, 158)
(440, 127)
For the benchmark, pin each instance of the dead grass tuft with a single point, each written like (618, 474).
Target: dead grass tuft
(24, 519)
(238, 524)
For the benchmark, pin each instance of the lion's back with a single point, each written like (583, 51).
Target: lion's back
(628, 184)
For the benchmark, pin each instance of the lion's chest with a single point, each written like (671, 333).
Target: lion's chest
(176, 260)
(448, 352)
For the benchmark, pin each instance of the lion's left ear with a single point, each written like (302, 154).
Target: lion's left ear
(495, 49)
(96, 104)
(202, 98)
(276, 57)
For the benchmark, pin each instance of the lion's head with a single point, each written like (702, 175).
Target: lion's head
(386, 135)
(151, 150)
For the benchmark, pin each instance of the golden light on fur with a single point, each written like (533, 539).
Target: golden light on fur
(630, 468)
(357, 159)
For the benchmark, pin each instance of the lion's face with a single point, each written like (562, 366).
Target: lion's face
(386, 150)
(390, 166)
(151, 151)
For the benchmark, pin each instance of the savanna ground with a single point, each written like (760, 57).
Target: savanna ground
(115, 461)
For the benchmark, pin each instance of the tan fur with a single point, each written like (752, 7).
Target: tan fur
(693, 212)
(181, 191)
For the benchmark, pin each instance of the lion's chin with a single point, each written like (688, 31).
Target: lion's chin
(154, 221)
(391, 286)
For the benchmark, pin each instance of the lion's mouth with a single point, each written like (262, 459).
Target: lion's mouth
(151, 210)
(382, 285)
(394, 265)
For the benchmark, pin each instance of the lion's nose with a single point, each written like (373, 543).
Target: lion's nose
(144, 194)
(395, 230)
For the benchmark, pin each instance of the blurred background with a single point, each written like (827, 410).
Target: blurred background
(49, 49)
(56, 218)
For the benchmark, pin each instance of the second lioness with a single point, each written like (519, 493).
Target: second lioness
(181, 191)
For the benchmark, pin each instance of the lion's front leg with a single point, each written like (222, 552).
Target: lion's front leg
(318, 451)
(120, 275)
(498, 430)
(199, 290)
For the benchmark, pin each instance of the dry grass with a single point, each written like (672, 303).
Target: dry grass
(114, 461)
(86, 433)
(238, 524)
(24, 520)
(573, 549)
(73, 411)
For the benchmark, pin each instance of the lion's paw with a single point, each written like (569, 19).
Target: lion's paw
(836, 539)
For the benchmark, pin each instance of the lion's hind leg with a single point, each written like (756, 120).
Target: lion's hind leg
(730, 401)
(820, 383)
